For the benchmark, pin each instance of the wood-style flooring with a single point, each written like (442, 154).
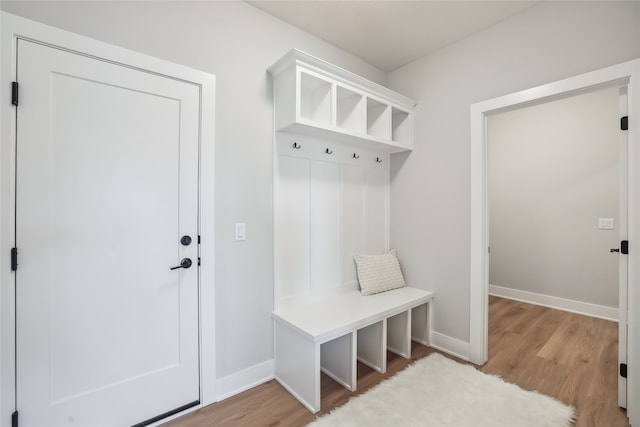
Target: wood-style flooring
(567, 356)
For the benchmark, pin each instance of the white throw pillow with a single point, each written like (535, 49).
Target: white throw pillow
(378, 273)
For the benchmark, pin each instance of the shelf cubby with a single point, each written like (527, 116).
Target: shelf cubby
(350, 110)
(401, 126)
(315, 99)
(378, 119)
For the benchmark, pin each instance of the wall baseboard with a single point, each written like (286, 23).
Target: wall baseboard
(579, 307)
(450, 345)
(244, 380)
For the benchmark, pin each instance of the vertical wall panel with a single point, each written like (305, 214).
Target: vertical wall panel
(377, 215)
(353, 220)
(325, 226)
(292, 227)
(328, 206)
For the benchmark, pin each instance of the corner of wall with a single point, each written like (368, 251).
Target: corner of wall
(450, 345)
(244, 380)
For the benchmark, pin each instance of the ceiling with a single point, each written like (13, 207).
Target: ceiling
(389, 34)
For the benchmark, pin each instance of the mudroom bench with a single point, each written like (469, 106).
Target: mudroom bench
(333, 334)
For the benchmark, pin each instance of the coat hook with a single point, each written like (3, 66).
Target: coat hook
(378, 160)
(328, 151)
(356, 156)
(296, 146)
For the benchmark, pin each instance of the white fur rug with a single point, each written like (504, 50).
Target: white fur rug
(436, 391)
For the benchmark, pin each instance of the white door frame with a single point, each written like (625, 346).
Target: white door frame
(13, 27)
(626, 73)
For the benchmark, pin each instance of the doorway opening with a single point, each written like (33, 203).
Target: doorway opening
(618, 75)
(557, 207)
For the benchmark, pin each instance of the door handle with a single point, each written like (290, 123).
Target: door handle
(624, 248)
(185, 263)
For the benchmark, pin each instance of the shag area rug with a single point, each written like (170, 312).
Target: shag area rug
(438, 392)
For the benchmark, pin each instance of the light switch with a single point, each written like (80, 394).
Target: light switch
(605, 223)
(241, 231)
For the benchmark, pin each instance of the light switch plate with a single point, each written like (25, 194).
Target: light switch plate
(605, 223)
(241, 231)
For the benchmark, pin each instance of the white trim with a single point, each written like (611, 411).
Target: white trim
(13, 27)
(623, 234)
(450, 345)
(247, 378)
(625, 73)
(208, 386)
(633, 265)
(564, 304)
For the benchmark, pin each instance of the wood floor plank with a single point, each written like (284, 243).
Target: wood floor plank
(570, 357)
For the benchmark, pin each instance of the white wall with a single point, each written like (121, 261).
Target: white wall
(553, 170)
(430, 188)
(236, 42)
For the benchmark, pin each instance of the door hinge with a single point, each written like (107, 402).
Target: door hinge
(14, 419)
(623, 370)
(14, 93)
(624, 247)
(624, 123)
(198, 261)
(14, 259)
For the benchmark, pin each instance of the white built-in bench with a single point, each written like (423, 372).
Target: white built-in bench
(334, 133)
(333, 334)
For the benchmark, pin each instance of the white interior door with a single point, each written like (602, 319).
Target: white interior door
(107, 184)
(623, 259)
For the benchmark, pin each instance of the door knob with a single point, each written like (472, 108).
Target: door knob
(614, 250)
(185, 263)
(185, 240)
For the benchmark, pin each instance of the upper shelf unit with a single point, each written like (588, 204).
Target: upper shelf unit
(316, 98)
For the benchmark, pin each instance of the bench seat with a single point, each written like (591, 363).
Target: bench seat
(333, 334)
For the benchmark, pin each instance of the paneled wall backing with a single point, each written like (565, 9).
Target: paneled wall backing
(330, 201)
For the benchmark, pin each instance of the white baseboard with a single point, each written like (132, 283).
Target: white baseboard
(579, 307)
(450, 345)
(244, 380)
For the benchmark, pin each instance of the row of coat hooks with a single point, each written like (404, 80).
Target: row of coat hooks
(330, 151)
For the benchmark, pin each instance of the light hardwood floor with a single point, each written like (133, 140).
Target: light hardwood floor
(567, 356)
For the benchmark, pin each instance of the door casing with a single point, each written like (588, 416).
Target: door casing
(628, 74)
(14, 27)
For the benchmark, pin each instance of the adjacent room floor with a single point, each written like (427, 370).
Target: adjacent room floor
(567, 356)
